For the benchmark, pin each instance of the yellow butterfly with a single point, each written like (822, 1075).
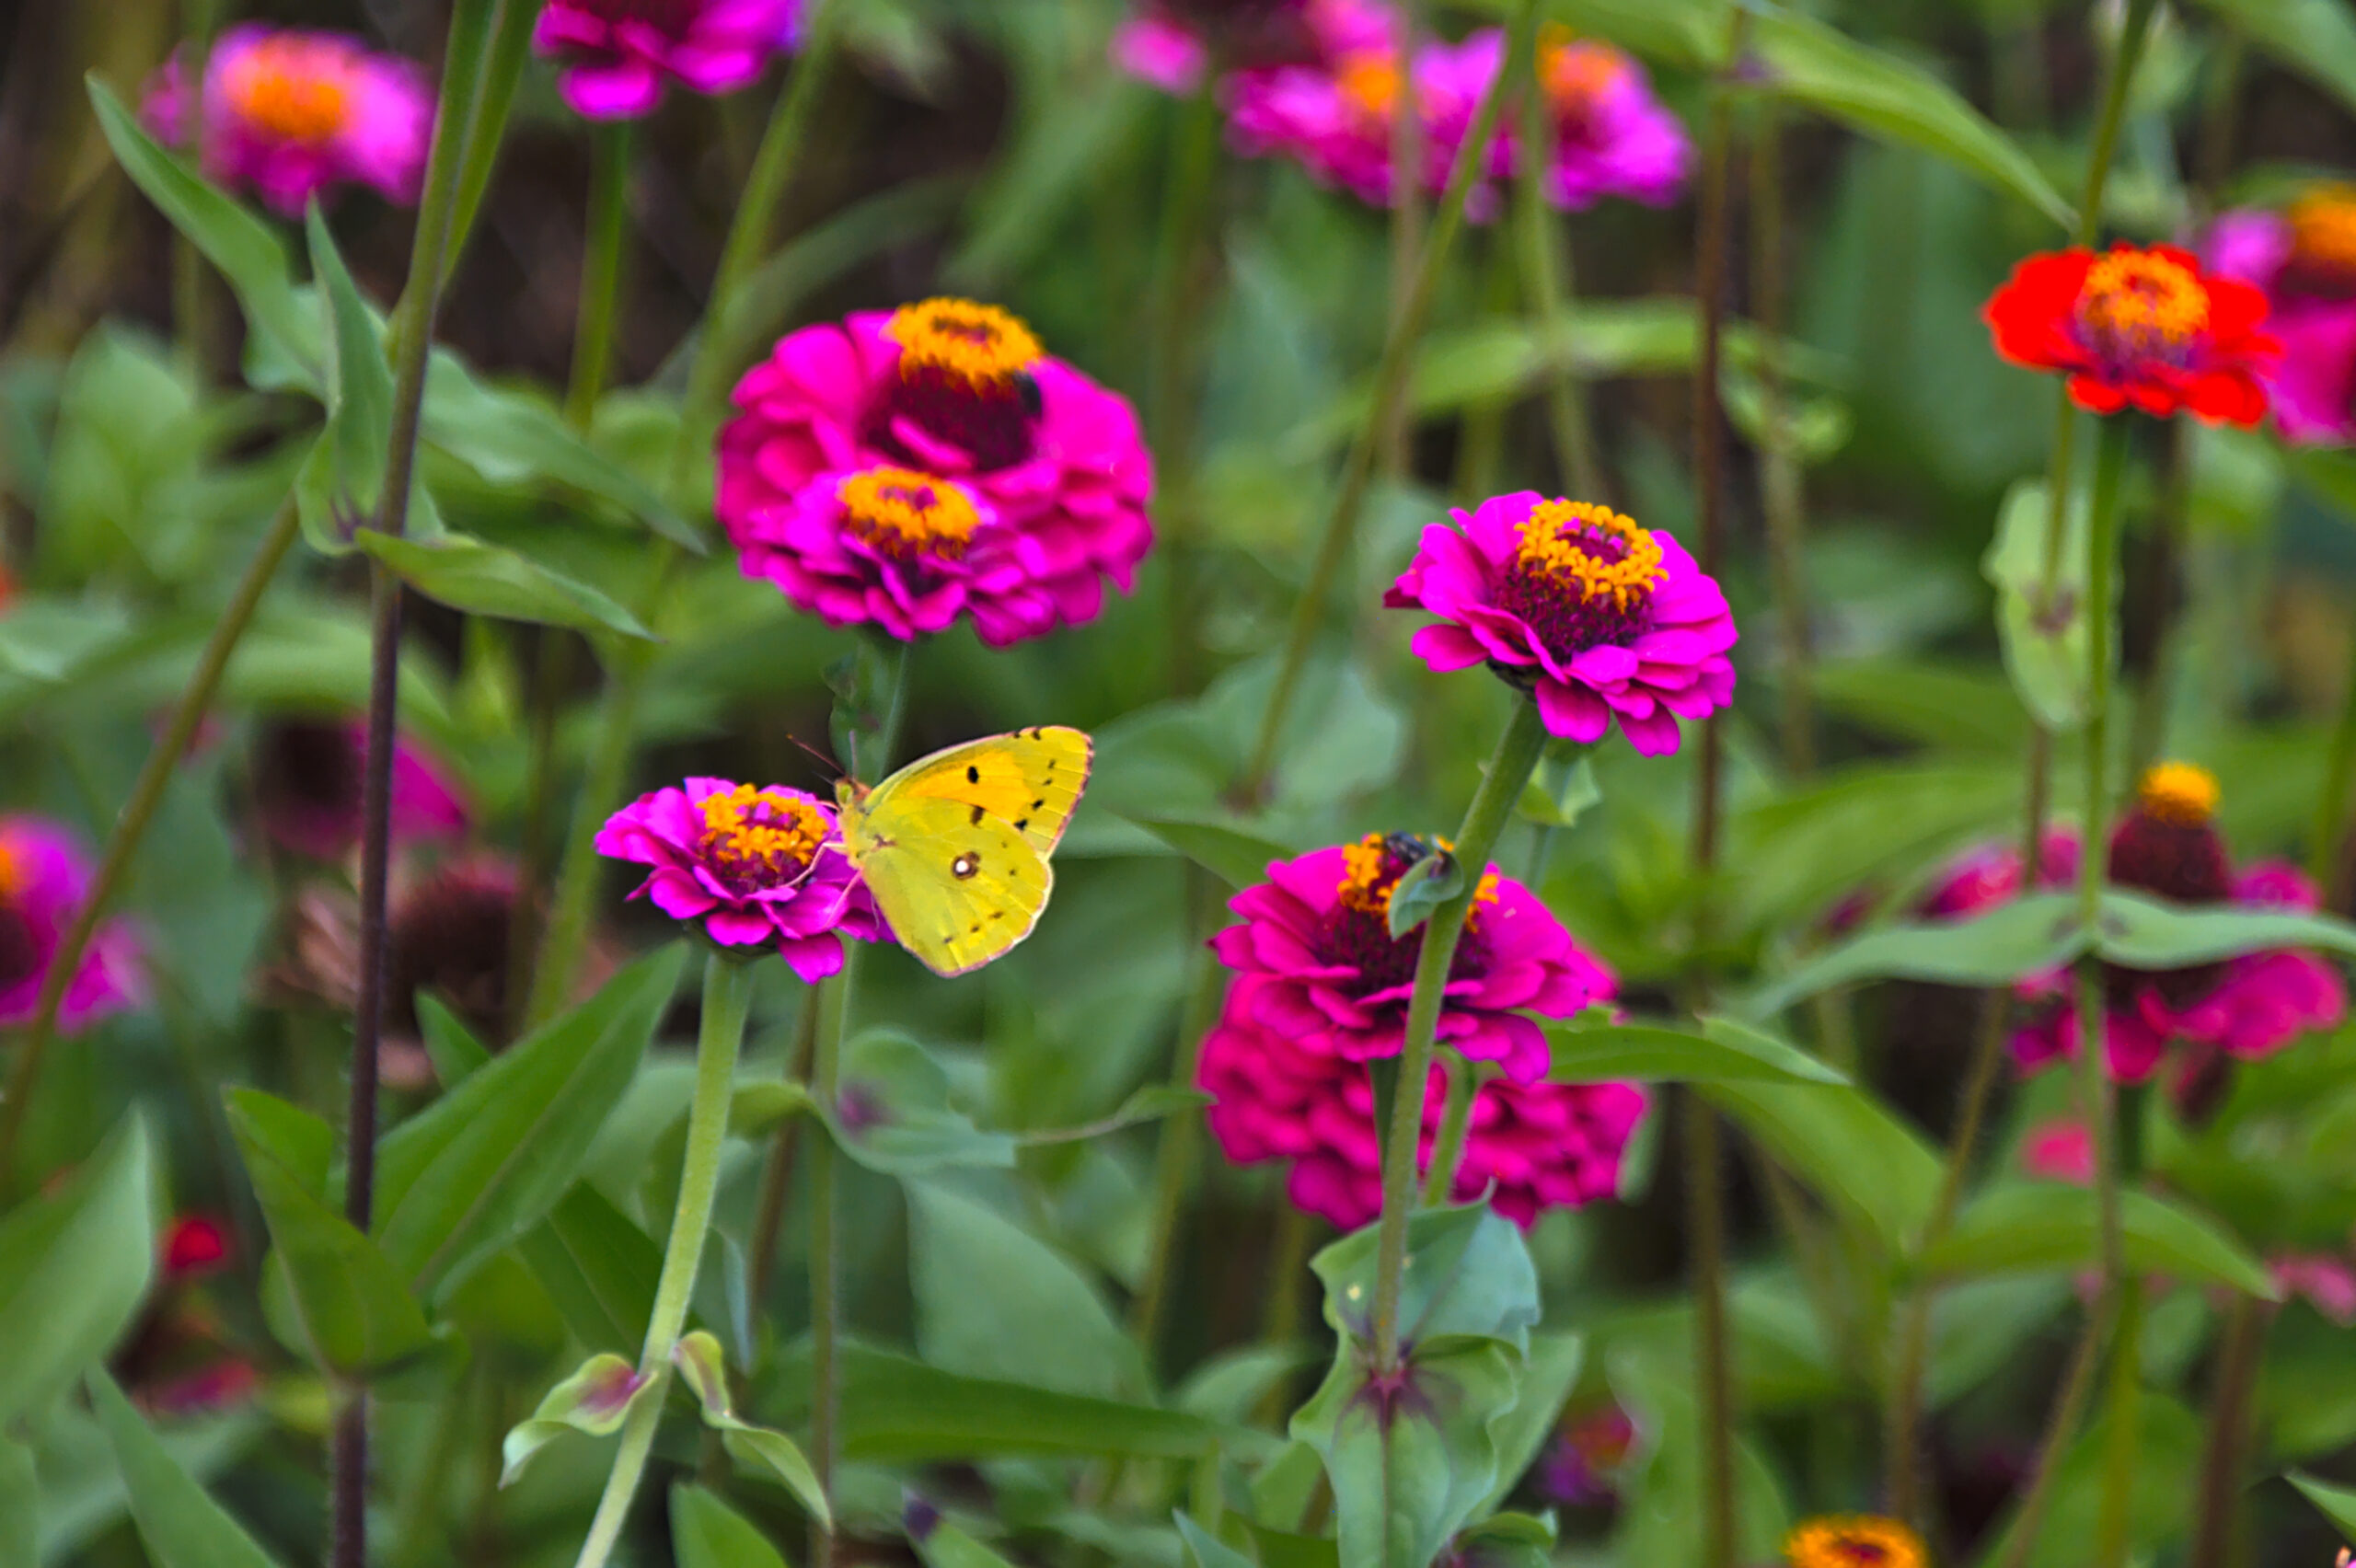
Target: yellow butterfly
(954, 847)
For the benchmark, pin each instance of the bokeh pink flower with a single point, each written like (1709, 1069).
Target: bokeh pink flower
(1054, 465)
(756, 866)
(1604, 622)
(2304, 258)
(290, 114)
(44, 876)
(1611, 136)
(615, 57)
(308, 778)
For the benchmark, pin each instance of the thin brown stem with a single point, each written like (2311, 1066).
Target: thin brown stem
(2224, 1457)
(776, 1177)
(2069, 1404)
(1713, 1369)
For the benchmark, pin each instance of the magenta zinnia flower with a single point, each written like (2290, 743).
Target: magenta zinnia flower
(755, 865)
(1580, 1466)
(961, 391)
(44, 876)
(897, 549)
(2306, 260)
(1613, 137)
(616, 55)
(1604, 621)
(291, 113)
(2242, 1008)
(1169, 43)
(1322, 987)
(1315, 960)
(307, 779)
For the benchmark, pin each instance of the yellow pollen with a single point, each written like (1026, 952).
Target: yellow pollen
(1854, 1541)
(2132, 297)
(13, 871)
(1368, 882)
(909, 510)
(979, 345)
(1371, 81)
(294, 90)
(2179, 793)
(2323, 227)
(791, 832)
(1559, 538)
(1575, 72)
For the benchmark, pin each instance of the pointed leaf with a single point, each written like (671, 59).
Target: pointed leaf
(2338, 1503)
(2026, 937)
(1467, 1272)
(595, 1400)
(897, 1118)
(1205, 1550)
(491, 1158)
(941, 1544)
(2150, 933)
(1561, 789)
(182, 1526)
(2043, 636)
(359, 397)
(708, 1533)
(2033, 1226)
(73, 1268)
(1602, 1052)
(1547, 1378)
(1422, 888)
(483, 578)
(597, 1266)
(450, 1046)
(1873, 1168)
(705, 1371)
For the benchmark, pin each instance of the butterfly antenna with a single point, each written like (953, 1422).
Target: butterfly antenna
(825, 760)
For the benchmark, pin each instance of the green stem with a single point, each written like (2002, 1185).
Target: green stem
(776, 1176)
(1296, 1238)
(1172, 358)
(1714, 1374)
(1176, 1156)
(837, 1002)
(580, 869)
(1509, 770)
(1455, 1125)
(1407, 158)
(1389, 387)
(511, 44)
(1781, 482)
(2069, 1403)
(727, 996)
(2331, 804)
(1548, 288)
(601, 271)
(2225, 1455)
(2132, 31)
(131, 827)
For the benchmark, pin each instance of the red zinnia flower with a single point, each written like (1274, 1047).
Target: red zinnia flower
(2140, 326)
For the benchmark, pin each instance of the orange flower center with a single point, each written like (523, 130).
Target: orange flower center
(904, 513)
(1371, 81)
(1861, 1541)
(2135, 305)
(2179, 794)
(291, 89)
(1371, 869)
(1577, 71)
(1592, 549)
(760, 838)
(13, 871)
(2323, 229)
(977, 344)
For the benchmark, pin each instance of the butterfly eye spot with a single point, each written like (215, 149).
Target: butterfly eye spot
(964, 865)
(973, 774)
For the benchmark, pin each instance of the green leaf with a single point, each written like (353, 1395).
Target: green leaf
(449, 1043)
(73, 1268)
(2315, 38)
(1547, 1378)
(597, 1266)
(2338, 1503)
(1422, 888)
(1805, 61)
(2035, 1227)
(2044, 639)
(285, 349)
(1151, 1103)
(1467, 1272)
(1721, 1050)
(1205, 1550)
(352, 1304)
(708, 1533)
(359, 403)
(898, 1410)
(482, 579)
(19, 1506)
(507, 437)
(594, 1402)
(2159, 1505)
(2150, 933)
(904, 1124)
(994, 1301)
(1234, 855)
(491, 1158)
(941, 1544)
(1561, 789)
(2026, 937)
(701, 1363)
(182, 1526)
(1874, 1170)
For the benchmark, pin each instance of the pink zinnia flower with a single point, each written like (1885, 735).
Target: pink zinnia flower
(616, 55)
(1605, 621)
(1613, 137)
(1315, 960)
(1322, 987)
(2060, 1151)
(1982, 878)
(2238, 1007)
(1335, 116)
(2306, 260)
(195, 1245)
(44, 876)
(2327, 1283)
(759, 865)
(897, 549)
(1580, 1466)
(1169, 43)
(307, 780)
(291, 113)
(961, 391)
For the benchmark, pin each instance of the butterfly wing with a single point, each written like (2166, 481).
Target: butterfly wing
(958, 890)
(1031, 779)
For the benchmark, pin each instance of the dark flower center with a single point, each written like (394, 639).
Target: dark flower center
(672, 18)
(1583, 576)
(755, 840)
(2168, 846)
(1359, 932)
(309, 766)
(451, 937)
(19, 948)
(965, 378)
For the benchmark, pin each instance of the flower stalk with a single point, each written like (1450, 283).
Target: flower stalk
(727, 996)
(601, 271)
(1388, 390)
(1518, 752)
(1548, 289)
